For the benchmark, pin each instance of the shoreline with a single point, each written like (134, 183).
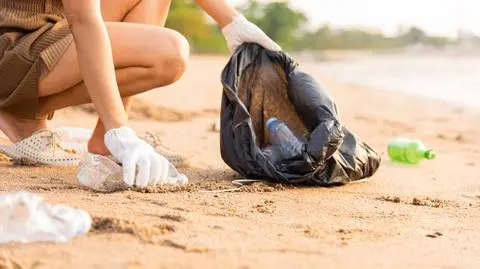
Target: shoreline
(472, 109)
(393, 74)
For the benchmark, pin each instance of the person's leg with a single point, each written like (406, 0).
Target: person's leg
(15, 129)
(153, 12)
(145, 57)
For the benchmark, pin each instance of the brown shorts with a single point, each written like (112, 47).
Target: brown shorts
(33, 37)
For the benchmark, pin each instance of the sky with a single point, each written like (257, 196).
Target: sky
(437, 17)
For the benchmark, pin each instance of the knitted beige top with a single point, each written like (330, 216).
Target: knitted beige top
(34, 34)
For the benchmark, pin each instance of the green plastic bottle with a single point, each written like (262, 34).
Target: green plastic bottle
(409, 151)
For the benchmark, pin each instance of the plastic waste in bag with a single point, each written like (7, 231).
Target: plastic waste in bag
(259, 84)
(26, 217)
(284, 139)
(272, 153)
(102, 174)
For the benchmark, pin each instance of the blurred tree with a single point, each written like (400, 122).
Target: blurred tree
(279, 21)
(437, 41)
(288, 28)
(189, 20)
(414, 36)
(253, 11)
(186, 18)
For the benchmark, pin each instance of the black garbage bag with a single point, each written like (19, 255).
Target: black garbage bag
(259, 84)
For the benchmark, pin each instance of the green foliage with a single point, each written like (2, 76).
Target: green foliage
(189, 20)
(414, 36)
(278, 20)
(288, 28)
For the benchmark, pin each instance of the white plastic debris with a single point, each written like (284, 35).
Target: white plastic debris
(26, 217)
(102, 174)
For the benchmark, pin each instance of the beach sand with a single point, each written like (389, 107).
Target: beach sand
(425, 216)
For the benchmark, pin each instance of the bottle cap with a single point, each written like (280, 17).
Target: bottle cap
(271, 121)
(430, 154)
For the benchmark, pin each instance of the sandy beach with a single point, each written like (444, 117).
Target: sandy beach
(425, 216)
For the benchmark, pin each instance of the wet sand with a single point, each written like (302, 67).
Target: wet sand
(425, 216)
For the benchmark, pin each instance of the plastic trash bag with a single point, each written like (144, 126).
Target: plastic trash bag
(259, 84)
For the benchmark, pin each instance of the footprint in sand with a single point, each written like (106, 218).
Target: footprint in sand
(106, 225)
(418, 201)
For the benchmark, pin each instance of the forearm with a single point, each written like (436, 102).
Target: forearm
(219, 10)
(96, 64)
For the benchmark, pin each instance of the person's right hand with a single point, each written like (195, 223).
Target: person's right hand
(134, 153)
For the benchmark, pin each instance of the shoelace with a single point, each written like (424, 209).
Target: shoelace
(51, 140)
(55, 141)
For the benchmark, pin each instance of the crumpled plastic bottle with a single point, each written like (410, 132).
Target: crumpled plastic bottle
(102, 174)
(26, 217)
(287, 143)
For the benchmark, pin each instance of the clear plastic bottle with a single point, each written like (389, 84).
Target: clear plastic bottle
(102, 174)
(284, 139)
(26, 217)
(272, 153)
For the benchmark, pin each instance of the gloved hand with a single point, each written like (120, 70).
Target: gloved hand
(240, 31)
(134, 153)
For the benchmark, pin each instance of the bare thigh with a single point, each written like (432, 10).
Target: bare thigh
(133, 45)
(140, 11)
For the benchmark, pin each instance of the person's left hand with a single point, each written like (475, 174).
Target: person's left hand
(240, 31)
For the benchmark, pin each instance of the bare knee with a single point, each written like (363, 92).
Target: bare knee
(177, 63)
(172, 59)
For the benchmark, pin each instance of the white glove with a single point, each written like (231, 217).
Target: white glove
(134, 153)
(240, 31)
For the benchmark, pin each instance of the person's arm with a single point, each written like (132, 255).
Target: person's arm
(235, 27)
(222, 12)
(95, 60)
(141, 165)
